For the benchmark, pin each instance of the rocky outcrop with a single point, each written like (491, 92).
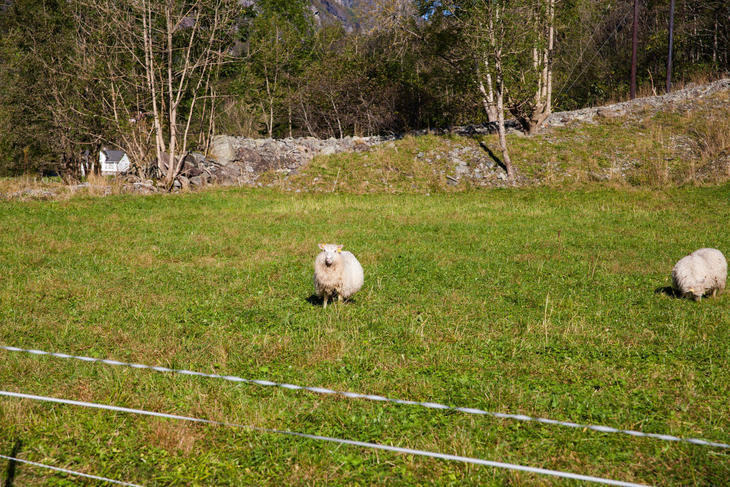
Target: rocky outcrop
(684, 99)
(222, 148)
(239, 160)
(468, 164)
(351, 14)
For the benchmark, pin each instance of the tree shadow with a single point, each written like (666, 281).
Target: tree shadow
(492, 155)
(668, 291)
(10, 472)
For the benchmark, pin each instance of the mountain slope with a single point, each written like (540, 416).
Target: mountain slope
(352, 14)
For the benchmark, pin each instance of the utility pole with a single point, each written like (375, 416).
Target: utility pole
(671, 40)
(634, 42)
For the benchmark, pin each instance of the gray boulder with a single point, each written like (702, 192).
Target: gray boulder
(223, 149)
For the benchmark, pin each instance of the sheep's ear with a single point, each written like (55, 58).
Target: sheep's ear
(321, 246)
(339, 248)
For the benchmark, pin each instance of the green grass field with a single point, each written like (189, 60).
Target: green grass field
(533, 301)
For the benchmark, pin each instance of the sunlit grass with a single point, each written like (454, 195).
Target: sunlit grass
(530, 301)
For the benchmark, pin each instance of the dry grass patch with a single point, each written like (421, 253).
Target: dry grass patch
(177, 438)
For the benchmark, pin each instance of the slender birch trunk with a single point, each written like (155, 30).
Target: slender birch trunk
(506, 159)
(487, 92)
(496, 40)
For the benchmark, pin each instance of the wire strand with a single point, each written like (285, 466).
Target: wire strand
(70, 472)
(377, 398)
(363, 444)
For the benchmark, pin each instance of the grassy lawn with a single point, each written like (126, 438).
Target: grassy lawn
(533, 301)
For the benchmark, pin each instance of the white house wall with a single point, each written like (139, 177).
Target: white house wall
(112, 168)
(124, 164)
(109, 169)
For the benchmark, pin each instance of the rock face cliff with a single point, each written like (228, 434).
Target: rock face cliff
(352, 14)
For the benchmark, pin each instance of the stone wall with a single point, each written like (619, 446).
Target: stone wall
(240, 160)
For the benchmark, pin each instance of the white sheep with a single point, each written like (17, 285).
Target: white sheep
(702, 272)
(336, 273)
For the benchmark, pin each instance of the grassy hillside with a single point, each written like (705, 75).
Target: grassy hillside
(532, 301)
(655, 143)
(654, 146)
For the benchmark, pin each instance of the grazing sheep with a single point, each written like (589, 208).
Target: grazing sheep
(702, 272)
(336, 272)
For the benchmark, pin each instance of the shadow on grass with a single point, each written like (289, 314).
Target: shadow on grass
(10, 472)
(315, 300)
(668, 291)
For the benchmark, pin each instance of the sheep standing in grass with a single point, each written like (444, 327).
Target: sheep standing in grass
(336, 273)
(702, 272)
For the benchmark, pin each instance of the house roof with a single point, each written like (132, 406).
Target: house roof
(114, 156)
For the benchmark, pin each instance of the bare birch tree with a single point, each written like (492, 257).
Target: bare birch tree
(487, 31)
(532, 111)
(512, 47)
(156, 62)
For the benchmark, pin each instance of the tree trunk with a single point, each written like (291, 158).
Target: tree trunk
(337, 115)
(270, 99)
(271, 118)
(496, 42)
(549, 60)
(531, 115)
(150, 72)
(487, 92)
(172, 106)
(714, 44)
(506, 160)
(670, 42)
(634, 43)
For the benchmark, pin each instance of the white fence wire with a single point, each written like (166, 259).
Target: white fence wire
(341, 441)
(67, 471)
(372, 397)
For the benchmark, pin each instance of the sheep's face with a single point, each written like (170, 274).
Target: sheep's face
(696, 295)
(330, 252)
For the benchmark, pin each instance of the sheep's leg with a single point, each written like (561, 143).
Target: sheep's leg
(325, 301)
(714, 292)
(339, 298)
